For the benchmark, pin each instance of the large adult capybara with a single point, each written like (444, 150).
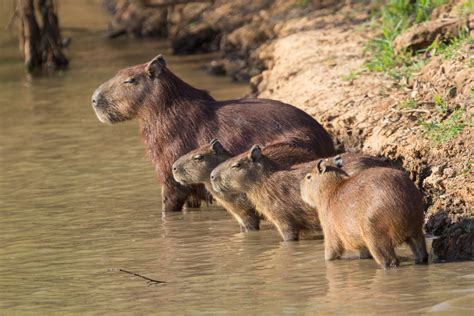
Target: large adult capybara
(371, 211)
(176, 118)
(196, 166)
(274, 188)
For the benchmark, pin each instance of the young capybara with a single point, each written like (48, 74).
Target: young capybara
(274, 189)
(176, 118)
(371, 211)
(196, 166)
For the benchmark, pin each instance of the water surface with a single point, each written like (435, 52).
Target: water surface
(78, 198)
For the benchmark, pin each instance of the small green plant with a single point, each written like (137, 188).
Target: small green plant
(408, 104)
(352, 75)
(440, 104)
(440, 131)
(471, 92)
(406, 70)
(302, 3)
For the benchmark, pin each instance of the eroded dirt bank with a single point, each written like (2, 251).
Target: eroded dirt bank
(312, 55)
(310, 69)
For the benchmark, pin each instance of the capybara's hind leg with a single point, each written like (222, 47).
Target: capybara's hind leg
(383, 252)
(417, 245)
(173, 197)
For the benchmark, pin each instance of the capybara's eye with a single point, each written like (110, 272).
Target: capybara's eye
(198, 157)
(236, 165)
(308, 176)
(130, 80)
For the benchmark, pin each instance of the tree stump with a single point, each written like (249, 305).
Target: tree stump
(40, 46)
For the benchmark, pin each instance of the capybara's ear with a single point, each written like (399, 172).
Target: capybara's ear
(321, 166)
(155, 66)
(216, 146)
(255, 153)
(338, 161)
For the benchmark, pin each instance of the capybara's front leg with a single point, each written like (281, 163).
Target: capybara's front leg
(364, 253)
(332, 248)
(288, 233)
(173, 197)
(250, 221)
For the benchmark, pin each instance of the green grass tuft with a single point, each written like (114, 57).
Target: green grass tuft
(449, 50)
(396, 17)
(352, 75)
(440, 131)
(408, 104)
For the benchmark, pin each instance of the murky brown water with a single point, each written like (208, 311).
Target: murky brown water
(78, 198)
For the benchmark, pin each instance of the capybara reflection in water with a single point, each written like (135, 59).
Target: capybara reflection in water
(196, 166)
(375, 209)
(274, 188)
(176, 118)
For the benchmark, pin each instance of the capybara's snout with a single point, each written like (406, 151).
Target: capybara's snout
(215, 180)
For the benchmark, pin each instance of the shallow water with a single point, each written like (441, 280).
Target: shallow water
(78, 198)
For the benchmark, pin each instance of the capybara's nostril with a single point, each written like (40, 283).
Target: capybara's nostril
(95, 97)
(213, 177)
(174, 168)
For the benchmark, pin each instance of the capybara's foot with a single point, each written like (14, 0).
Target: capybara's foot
(333, 248)
(169, 208)
(193, 202)
(364, 254)
(391, 263)
(249, 228)
(251, 223)
(423, 260)
(289, 235)
(383, 252)
(173, 196)
(172, 204)
(331, 254)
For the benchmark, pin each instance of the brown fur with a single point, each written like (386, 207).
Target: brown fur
(176, 118)
(274, 188)
(196, 167)
(372, 211)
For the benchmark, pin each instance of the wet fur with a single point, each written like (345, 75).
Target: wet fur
(372, 212)
(176, 118)
(274, 188)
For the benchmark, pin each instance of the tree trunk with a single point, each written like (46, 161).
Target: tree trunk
(40, 46)
(29, 35)
(51, 36)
